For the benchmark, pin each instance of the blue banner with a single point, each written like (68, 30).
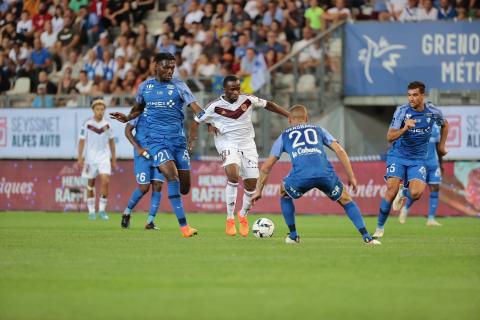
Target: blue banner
(382, 58)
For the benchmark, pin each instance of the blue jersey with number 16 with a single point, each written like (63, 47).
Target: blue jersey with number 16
(304, 144)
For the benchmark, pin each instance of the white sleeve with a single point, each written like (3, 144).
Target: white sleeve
(83, 132)
(258, 102)
(110, 132)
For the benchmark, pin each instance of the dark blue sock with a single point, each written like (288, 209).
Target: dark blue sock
(134, 198)
(288, 211)
(353, 212)
(176, 201)
(433, 204)
(410, 201)
(154, 204)
(385, 207)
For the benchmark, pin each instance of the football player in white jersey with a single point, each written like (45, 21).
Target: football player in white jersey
(96, 156)
(231, 115)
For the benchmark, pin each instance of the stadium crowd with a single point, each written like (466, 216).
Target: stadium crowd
(100, 47)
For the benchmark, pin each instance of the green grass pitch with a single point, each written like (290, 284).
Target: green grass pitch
(62, 266)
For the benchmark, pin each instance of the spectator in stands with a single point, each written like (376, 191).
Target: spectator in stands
(305, 57)
(192, 50)
(205, 67)
(73, 98)
(69, 37)
(139, 9)
(66, 83)
(174, 12)
(249, 62)
(103, 45)
(5, 73)
(105, 69)
(121, 67)
(238, 14)
(142, 32)
(84, 85)
(40, 57)
(142, 49)
(446, 11)
(51, 88)
(48, 37)
(395, 9)
(338, 13)
(227, 48)
(92, 64)
(88, 25)
(252, 8)
(73, 63)
(42, 100)
(195, 13)
(293, 21)
(411, 12)
(179, 33)
(166, 45)
(25, 25)
(19, 56)
(75, 5)
(270, 58)
(220, 12)
(124, 49)
(313, 15)
(272, 43)
(210, 46)
(57, 19)
(241, 46)
(198, 32)
(142, 68)
(428, 12)
(273, 13)
(280, 35)
(116, 12)
(208, 13)
(39, 19)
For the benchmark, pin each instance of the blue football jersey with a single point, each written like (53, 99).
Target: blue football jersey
(164, 103)
(413, 144)
(432, 156)
(304, 144)
(141, 131)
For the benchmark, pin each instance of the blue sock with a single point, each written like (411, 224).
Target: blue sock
(433, 204)
(134, 198)
(353, 212)
(154, 204)
(385, 207)
(410, 201)
(288, 211)
(176, 201)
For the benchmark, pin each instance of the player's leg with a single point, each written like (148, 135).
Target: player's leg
(249, 172)
(232, 171)
(135, 197)
(394, 174)
(185, 181)
(102, 202)
(91, 199)
(157, 182)
(142, 170)
(182, 161)
(432, 210)
(288, 192)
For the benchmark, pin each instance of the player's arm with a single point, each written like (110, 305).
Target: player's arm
(81, 147)
(396, 129)
(275, 108)
(441, 149)
(111, 143)
(264, 173)
(192, 134)
(136, 110)
(345, 160)
(131, 138)
(195, 107)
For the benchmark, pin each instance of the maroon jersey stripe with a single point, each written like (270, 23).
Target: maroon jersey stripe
(98, 130)
(234, 114)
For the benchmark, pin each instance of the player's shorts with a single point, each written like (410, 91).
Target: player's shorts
(246, 159)
(92, 170)
(406, 170)
(144, 170)
(176, 151)
(434, 174)
(297, 187)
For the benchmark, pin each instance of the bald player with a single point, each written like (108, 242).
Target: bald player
(305, 143)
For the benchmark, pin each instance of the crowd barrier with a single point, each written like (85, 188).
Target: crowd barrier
(44, 185)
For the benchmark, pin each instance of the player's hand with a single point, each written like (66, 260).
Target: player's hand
(191, 143)
(143, 152)
(79, 164)
(442, 151)
(212, 129)
(353, 183)
(119, 116)
(114, 164)
(256, 196)
(409, 124)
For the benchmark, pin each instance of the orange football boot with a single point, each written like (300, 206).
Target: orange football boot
(243, 227)
(230, 229)
(188, 231)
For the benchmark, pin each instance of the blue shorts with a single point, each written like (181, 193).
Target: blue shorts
(406, 170)
(144, 171)
(163, 152)
(434, 174)
(331, 186)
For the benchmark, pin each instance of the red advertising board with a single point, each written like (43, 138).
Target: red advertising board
(56, 186)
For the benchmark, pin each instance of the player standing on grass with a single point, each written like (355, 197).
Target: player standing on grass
(434, 178)
(96, 156)
(231, 115)
(410, 132)
(162, 100)
(310, 169)
(145, 173)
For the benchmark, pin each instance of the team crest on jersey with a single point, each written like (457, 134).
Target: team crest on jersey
(408, 116)
(428, 120)
(244, 107)
(149, 86)
(170, 92)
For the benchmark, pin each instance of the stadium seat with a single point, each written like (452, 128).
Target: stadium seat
(22, 86)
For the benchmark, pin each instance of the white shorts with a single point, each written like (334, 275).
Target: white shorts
(90, 171)
(246, 159)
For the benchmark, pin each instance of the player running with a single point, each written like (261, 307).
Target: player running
(434, 178)
(162, 100)
(145, 173)
(410, 132)
(310, 169)
(96, 156)
(231, 115)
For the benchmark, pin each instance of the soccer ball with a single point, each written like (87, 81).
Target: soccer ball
(263, 228)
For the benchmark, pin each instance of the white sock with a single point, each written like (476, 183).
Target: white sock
(247, 202)
(91, 205)
(231, 198)
(102, 205)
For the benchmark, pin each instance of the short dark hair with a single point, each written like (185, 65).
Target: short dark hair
(229, 78)
(164, 56)
(417, 85)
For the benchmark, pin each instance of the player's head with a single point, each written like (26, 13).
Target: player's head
(98, 107)
(164, 66)
(416, 94)
(231, 88)
(297, 114)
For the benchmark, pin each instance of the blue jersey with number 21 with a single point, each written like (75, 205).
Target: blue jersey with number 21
(304, 144)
